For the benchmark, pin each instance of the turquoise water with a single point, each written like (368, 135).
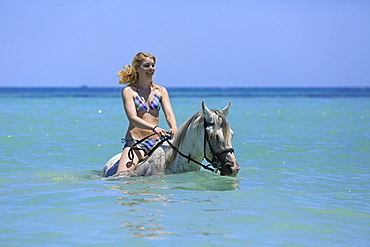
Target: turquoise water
(304, 180)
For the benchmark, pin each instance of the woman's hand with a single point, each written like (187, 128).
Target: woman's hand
(172, 131)
(159, 131)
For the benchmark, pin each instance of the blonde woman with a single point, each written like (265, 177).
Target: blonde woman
(142, 100)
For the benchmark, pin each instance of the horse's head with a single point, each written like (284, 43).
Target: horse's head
(218, 141)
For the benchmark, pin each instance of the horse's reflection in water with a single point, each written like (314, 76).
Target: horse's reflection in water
(148, 202)
(137, 219)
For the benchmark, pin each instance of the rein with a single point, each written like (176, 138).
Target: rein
(189, 158)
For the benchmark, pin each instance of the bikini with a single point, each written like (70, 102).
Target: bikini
(141, 105)
(145, 145)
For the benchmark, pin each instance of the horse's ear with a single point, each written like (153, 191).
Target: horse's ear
(225, 111)
(206, 112)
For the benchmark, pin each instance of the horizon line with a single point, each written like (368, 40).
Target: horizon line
(191, 87)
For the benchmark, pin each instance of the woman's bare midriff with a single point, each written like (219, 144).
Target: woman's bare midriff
(138, 133)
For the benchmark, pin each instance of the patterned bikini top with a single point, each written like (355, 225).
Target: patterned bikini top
(141, 105)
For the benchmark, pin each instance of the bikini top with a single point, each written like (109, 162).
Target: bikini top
(142, 106)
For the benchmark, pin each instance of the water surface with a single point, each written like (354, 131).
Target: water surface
(304, 179)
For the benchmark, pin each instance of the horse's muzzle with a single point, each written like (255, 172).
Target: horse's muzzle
(231, 167)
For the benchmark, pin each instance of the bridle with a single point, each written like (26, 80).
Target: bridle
(215, 155)
(215, 161)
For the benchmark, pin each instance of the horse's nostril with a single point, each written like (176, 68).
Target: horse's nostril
(233, 165)
(231, 169)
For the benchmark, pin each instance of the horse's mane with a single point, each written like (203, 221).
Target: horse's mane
(218, 119)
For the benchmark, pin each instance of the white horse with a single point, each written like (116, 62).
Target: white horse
(206, 135)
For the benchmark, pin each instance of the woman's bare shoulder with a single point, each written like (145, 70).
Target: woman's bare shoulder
(128, 90)
(161, 89)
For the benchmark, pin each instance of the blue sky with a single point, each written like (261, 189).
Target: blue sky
(198, 43)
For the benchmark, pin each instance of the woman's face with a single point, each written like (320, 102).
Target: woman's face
(146, 69)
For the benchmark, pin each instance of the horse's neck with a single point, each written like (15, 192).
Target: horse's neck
(192, 144)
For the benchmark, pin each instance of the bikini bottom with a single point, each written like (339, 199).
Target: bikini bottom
(146, 145)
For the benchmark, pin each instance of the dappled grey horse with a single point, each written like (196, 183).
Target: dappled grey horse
(206, 135)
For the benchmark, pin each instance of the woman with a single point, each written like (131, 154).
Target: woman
(141, 100)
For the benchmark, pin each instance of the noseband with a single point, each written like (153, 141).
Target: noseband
(215, 161)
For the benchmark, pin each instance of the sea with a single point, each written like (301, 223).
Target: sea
(304, 155)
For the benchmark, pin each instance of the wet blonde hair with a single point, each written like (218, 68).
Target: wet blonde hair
(129, 75)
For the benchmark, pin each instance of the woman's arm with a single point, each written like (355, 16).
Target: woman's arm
(168, 111)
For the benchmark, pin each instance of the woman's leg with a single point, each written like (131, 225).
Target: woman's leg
(125, 164)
